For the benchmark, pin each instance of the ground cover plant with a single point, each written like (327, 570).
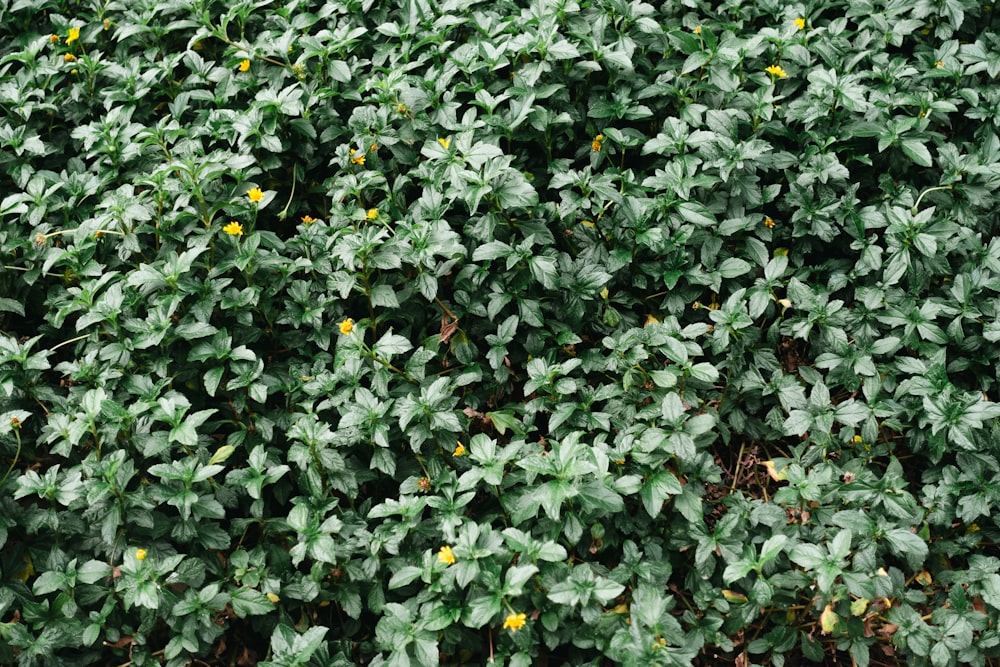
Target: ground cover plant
(528, 333)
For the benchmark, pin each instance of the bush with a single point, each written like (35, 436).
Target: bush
(448, 333)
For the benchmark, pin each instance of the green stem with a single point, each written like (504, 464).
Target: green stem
(17, 454)
(916, 206)
(284, 211)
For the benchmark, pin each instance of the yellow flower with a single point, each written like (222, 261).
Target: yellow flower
(372, 213)
(358, 160)
(347, 326)
(107, 23)
(800, 23)
(857, 440)
(445, 143)
(273, 598)
(308, 219)
(697, 30)
(595, 145)
(769, 223)
(515, 622)
(69, 57)
(775, 70)
(939, 64)
(53, 39)
(140, 554)
(459, 451)
(244, 65)
(74, 34)
(255, 195)
(446, 555)
(233, 228)
(650, 319)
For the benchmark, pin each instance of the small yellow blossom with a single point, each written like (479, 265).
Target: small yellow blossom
(372, 213)
(308, 219)
(373, 148)
(459, 451)
(360, 159)
(857, 440)
(401, 108)
(140, 554)
(515, 622)
(74, 34)
(800, 23)
(651, 319)
(233, 228)
(273, 598)
(107, 23)
(595, 145)
(445, 143)
(769, 223)
(347, 326)
(939, 64)
(53, 39)
(776, 70)
(69, 57)
(255, 195)
(446, 555)
(245, 65)
(697, 30)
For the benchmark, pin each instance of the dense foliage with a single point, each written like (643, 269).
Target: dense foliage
(413, 332)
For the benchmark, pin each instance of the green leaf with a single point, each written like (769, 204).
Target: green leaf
(808, 556)
(907, 545)
(696, 213)
(657, 489)
(481, 611)
(391, 344)
(248, 601)
(93, 571)
(917, 152)
(404, 576)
